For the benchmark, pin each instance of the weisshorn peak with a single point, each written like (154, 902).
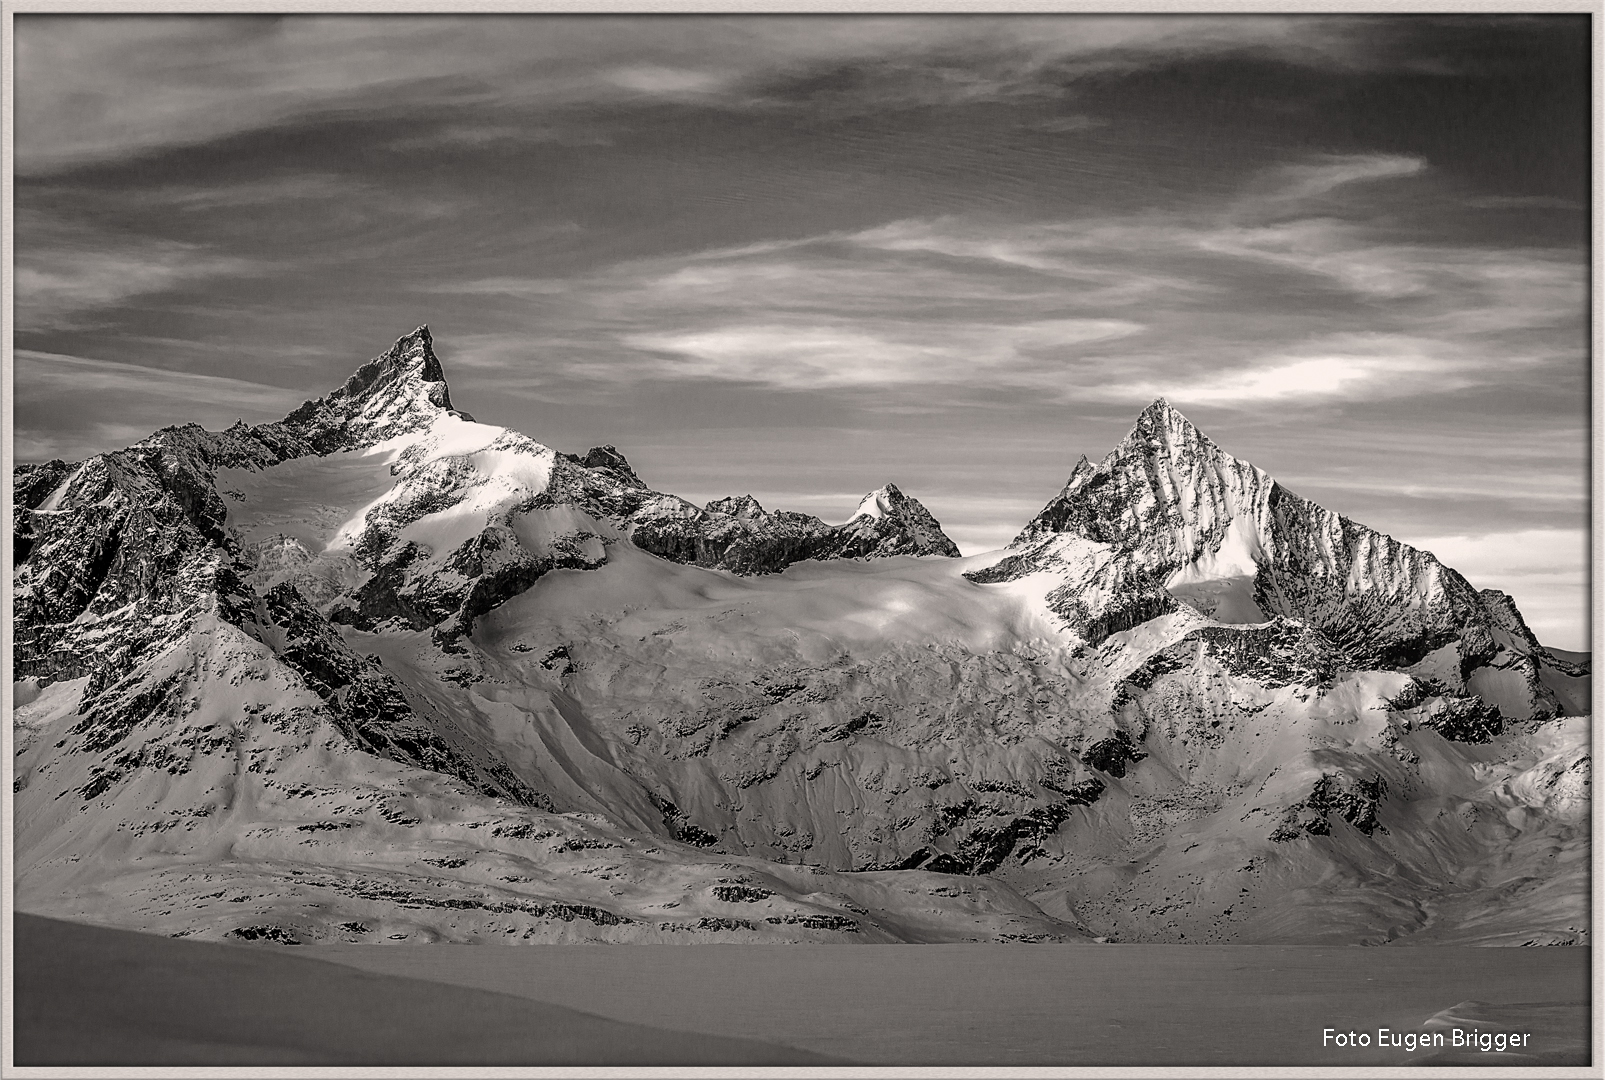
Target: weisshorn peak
(1168, 520)
(376, 671)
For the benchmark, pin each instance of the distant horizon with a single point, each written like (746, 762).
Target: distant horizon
(799, 258)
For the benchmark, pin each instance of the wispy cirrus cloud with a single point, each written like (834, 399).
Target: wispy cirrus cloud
(68, 277)
(301, 187)
(879, 353)
(1203, 305)
(1378, 365)
(1325, 174)
(204, 78)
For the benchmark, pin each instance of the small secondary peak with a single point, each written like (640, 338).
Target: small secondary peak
(880, 502)
(740, 506)
(607, 459)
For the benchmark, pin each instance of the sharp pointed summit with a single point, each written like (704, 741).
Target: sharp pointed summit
(1162, 426)
(401, 390)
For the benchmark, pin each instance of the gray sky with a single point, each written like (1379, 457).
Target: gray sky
(804, 256)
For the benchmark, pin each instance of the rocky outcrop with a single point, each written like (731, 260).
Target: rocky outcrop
(1281, 653)
(1351, 799)
(610, 463)
(368, 705)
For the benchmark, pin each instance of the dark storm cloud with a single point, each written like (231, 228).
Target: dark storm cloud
(806, 256)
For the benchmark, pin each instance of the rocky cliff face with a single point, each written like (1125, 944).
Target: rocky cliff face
(417, 674)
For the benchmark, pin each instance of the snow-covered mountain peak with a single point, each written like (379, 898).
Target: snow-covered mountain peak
(400, 391)
(1160, 407)
(409, 365)
(893, 517)
(1166, 488)
(1186, 523)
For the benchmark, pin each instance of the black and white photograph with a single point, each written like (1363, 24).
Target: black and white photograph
(833, 541)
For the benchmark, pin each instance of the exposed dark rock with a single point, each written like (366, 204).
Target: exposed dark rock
(326, 826)
(1465, 719)
(840, 923)
(737, 506)
(1355, 800)
(851, 727)
(982, 848)
(1113, 754)
(608, 461)
(558, 660)
(276, 934)
(367, 703)
(681, 827)
(710, 923)
(399, 391)
(1352, 799)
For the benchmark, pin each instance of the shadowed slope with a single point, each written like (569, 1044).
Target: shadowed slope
(86, 995)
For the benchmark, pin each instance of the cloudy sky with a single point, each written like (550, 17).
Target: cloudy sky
(803, 256)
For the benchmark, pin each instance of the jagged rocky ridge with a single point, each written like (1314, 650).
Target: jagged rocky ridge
(350, 631)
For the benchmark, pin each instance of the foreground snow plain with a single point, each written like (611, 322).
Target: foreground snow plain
(84, 998)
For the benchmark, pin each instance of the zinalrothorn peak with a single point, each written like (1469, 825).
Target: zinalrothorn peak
(410, 360)
(401, 391)
(378, 671)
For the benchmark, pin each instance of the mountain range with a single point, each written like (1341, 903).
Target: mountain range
(377, 671)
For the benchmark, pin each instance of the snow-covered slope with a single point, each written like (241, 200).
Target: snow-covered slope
(377, 670)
